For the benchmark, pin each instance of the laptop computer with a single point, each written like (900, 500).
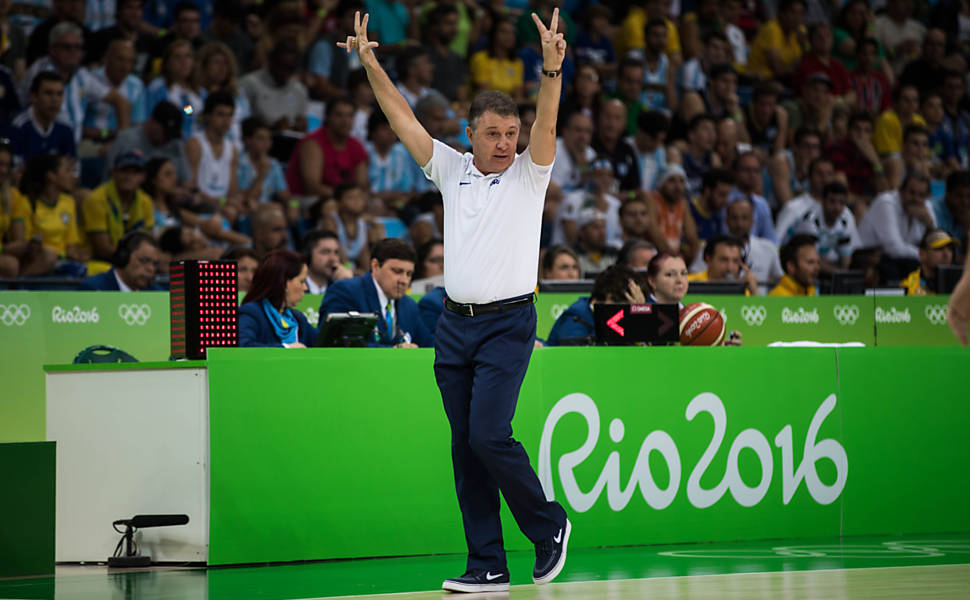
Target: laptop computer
(637, 324)
(347, 330)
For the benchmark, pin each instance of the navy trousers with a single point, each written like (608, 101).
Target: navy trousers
(480, 363)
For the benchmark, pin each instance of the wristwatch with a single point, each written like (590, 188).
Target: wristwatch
(552, 74)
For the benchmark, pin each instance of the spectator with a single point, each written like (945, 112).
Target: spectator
(573, 152)
(20, 255)
(887, 136)
(815, 107)
(259, 175)
(62, 11)
(747, 171)
(382, 290)
(853, 27)
(12, 54)
(936, 249)
(212, 159)
(575, 326)
(227, 16)
(629, 91)
(391, 171)
(699, 156)
(415, 74)
(766, 122)
(718, 97)
(134, 264)
(591, 247)
(321, 253)
(722, 255)
(47, 183)
(856, 157)
(434, 114)
(429, 276)
(362, 97)
(952, 212)
(896, 222)
(636, 254)
(667, 279)
(182, 242)
(176, 84)
(779, 44)
(833, 226)
(943, 154)
(670, 226)
(267, 316)
(429, 223)
(594, 43)
(608, 141)
(269, 229)
(871, 86)
(274, 92)
(790, 174)
(956, 116)
(246, 264)
(328, 68)
(36, 131)
(648, 143)
(118, 206)
(431, 261)
(927, 71)
(634, 220)
(707, 209)
(820, 172)
(356, 229)
(659, 80)
(915, 156)
(698, 24)
(585, 96)
(100, 118)
(899, 33)
(760, 256)
(217, 72)
(730, 16)
(157, 137)
(186, 27)
(799, 258)
(728, 143)
(328, 156)
(598, 194)
(560, 263)
(450, 70)
(499, 67)
(820, 60)
(128, 27)
(81, 87)
(631, 34)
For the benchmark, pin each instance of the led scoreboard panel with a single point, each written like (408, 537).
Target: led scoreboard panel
(204, 306)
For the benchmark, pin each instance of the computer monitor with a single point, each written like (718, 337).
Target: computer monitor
(716, 288)
(947, 277)
(566, 286)
(347, 330)
(843, 283)
(636, 324)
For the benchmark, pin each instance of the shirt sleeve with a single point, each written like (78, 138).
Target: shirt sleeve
(444, 165)
(94, 89)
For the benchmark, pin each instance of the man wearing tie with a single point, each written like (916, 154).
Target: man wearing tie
(493, 202)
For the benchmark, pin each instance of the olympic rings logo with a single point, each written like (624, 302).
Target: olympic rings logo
(935, 313)
(846, 314)
(134, 314)
(754, 315)
(14, 314)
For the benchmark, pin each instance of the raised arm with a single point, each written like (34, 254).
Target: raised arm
(542, 141)
(414, 137)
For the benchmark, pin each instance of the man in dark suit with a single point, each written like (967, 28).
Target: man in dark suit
(382, 291)
(135, 262)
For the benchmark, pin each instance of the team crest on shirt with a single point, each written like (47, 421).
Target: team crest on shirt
(495, 182)
(66, 218)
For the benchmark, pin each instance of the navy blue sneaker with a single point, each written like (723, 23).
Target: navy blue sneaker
(494, 580)
(551, 556)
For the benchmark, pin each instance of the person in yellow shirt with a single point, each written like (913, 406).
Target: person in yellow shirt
(887, 136)
(47, 182)
(722, 254)
(499, 67)
(632, 36)
(800, 259)
(779, 43)
(118, 206)
(936, 249)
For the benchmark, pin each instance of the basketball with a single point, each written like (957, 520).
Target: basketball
(701, 325)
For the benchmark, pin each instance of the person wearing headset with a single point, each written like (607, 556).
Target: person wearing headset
(616, 284)
(134, 264)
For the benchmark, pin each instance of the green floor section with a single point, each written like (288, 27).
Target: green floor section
(357, 577)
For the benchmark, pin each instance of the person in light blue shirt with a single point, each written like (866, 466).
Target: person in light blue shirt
(259, 174)
(952, 211)
(391, 168)
(175, 84)
(116, 72)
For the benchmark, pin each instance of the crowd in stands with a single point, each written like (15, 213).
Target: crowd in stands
(763, 141)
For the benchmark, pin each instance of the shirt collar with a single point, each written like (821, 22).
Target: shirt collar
(381, 296)
(796, 289)
(33, 121)
(121, 284)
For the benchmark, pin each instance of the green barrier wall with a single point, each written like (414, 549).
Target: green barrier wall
(27, 509)
(38, 328)
(334, 454)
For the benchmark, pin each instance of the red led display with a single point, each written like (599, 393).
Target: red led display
(204, 303)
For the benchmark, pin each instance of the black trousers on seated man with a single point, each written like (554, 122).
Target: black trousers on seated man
(480, 362)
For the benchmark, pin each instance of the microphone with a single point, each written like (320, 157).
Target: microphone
(142, 521)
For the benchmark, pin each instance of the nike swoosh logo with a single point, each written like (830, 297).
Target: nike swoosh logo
(558, 537)
(490, 577)
(464, 183)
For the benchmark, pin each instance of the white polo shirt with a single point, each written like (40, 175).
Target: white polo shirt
(492, 225)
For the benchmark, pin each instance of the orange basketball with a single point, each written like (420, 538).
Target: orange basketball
(701, 325)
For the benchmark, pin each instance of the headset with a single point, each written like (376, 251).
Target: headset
(127, 246)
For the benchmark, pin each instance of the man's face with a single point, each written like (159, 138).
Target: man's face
(220, 119)
(593, 234)
(447, 28)
(324, 258)
(764, 107)
(120, 61)
(934, 46)
(816, 94)
(283, 66)
(578, 133)
(823, 173)
(629, 83)
(272, 235)
(341, 120)
(861, 129)
(740, 219)
(792, 18)
(931, 258)
(423, 68)
(806, 265)
(493, 141)
(633, 218)
(245, 269)
(832, 206)
(259, 142)
(140, 270)
(725, 261)
(703, 136)
(717, 196)
(808, 149)
(913, 195)
(932, 110)
(952, 90)
(187, 25)
(958, 201)
(868, 55)
(674, 189)
(434, 120)
(908, 102)
(612, 120)
(353, 201)
(129, 14)
(67, 51)
(724, 85)
(748, 173)
(394, 276)
(916, 148)
(128, 179)
(656, 39)
(822, 40)
(48, 99)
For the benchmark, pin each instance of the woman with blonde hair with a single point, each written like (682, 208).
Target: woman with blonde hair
(217, 71)
(177, 84)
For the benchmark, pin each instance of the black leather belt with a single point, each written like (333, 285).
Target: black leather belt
(470, 310)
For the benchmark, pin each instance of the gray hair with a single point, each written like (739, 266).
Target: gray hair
(496, 102)
(60, 30)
